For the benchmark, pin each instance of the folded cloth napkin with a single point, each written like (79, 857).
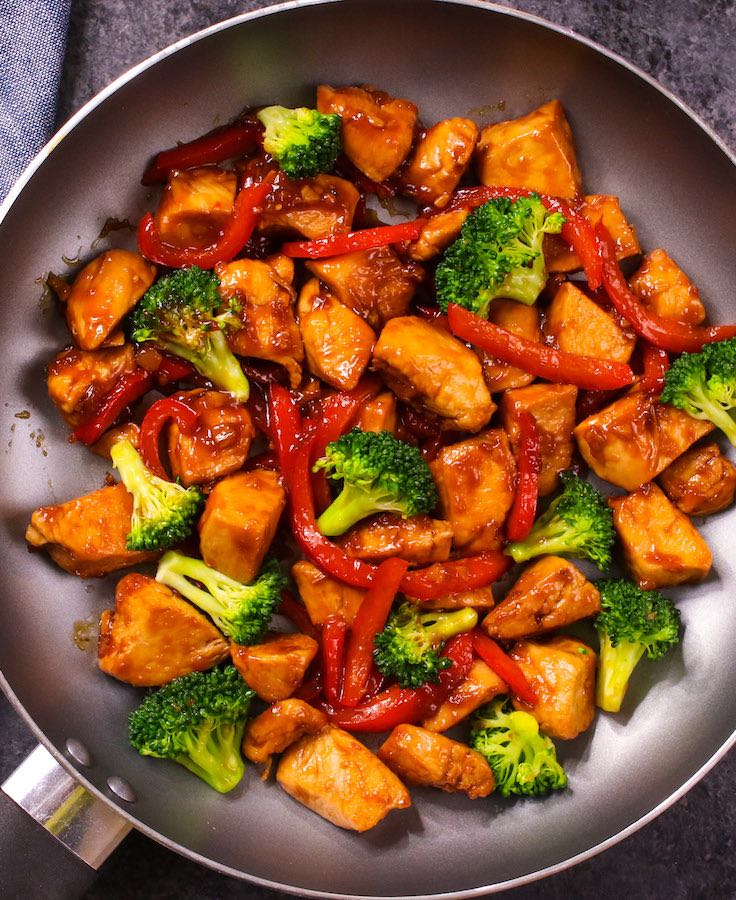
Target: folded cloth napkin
(32, 44)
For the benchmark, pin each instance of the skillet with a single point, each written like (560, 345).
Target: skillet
(70, 698)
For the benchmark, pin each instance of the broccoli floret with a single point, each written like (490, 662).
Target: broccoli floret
(184, 313)
(304, 141)
(524, 762)
(380, 474)
(631, 622)
(407, 648)
(498, 254)
(198, 721)
(578, 522)
(241, 611)
(704, 385)
(164, 513)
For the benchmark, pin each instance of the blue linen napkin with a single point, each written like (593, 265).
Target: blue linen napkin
(32, 44)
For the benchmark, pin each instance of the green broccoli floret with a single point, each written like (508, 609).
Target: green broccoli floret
(408, 647)
(380, 474)
(578, 523)
(184, 313)
(631, 622)
(704, 385)
(523, 761)
(241, 611)
(498, 254)
(198, 721)
(164, 513)
(304, 142)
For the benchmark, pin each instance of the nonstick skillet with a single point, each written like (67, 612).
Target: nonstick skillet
(449, 58)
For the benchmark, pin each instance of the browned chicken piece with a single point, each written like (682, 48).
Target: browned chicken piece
(312, 207)
(128, 432)
(263, 289)
(195, 205)
(239, 522)
(631, 441)
(663, 287)
(660, 544)
(279, 727)
(701, 482)
(275, 667)
(481, 686)
(439, 161)
(553, 408)
(220, 442)
(431, 760)
(534, 151)
(518, 319)
(379, 414)
(338, 343)
(86, 536)
(377, 129)
(337, 777)
(562, 671)
(438, 232)
(104, 293)
(325, 596)
(550, 594)
(476, 483)
(596, 208)
(478, 598)
(375, 284)
(153, 636)
(433, 371)
(419, 540)
(578, 325)
(77, 380)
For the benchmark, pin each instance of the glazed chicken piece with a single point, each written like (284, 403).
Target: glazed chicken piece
(660, 544)
(433, 371)
(701, 482)
(439, 161)
(219, 443)
(663, 287)
(239, 522)
(438, 232)
(279, 727)
(103, 293)
(128, 432)
(86, 536)
(310, 207)
(419, 540)
(375, 284)
(550, 594)
(431, 760)
(195, 206)
(481, 686)
(153, 636)
(478, 598)
(338, 343)
(578, 325)
(378, 414)
(275, 667)
(263, 290)
(325, 596)
(518, 319)
(596, 208)
(337, 777)
(377, 129)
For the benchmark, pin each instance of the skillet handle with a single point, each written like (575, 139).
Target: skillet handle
(54, 834)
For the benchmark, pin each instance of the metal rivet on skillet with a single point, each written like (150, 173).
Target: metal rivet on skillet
(78, 752)
(120, 787)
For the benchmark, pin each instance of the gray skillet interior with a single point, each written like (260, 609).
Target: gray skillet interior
(676, 185)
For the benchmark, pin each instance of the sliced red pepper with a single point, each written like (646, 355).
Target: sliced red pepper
(656, 364)
(334, 632)
(284, 425)
(502, 664)
(365, 239)
(528, 464)
(538, 359)
(467, 574)
(126, 390)
(157, 415)
(297, 613)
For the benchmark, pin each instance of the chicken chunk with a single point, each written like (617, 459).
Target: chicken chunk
(377, 129)
(518, 319)
(431, 760)
(477, 598)
(660, 544)
(312, 207)
(86, 536)
(153, 636)
(439, 161)
(103, 293)
(337, 777)
(379, 413)
(663, 287)
(481, 686)
(275, 667)
(578, 325)
(419, 540)
(128, 432)
(263, 290)
(438, 232)
(562, 671)
(596, 208)
(701, 482)
(279, 727)
(475, 481)
(195, 206)
(325, 596)
(220, 442)
(239, 522)
(433, 371)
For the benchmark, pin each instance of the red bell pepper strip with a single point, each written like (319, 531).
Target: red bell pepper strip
(466, 574)
(538, 359)
(126, 390)
(529, 461)
(656, 363)
(676, 337)
(216, 146)
(502, 664)
(237, 231)
(157, 415)
(296, 612)
(371, 617)
(366, 239)
(284, 425)
(334, 632)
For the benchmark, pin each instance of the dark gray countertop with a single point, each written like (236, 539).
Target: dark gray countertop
(690, 47)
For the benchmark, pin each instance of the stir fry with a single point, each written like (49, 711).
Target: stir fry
(381, 468)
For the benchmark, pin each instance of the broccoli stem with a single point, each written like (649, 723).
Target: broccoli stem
(441, 627)
(217, 363)
(133, 472)
(711, 411)
(555, 538)
(350, 506)
(175, 570)
(213, 754)
(616, 665)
